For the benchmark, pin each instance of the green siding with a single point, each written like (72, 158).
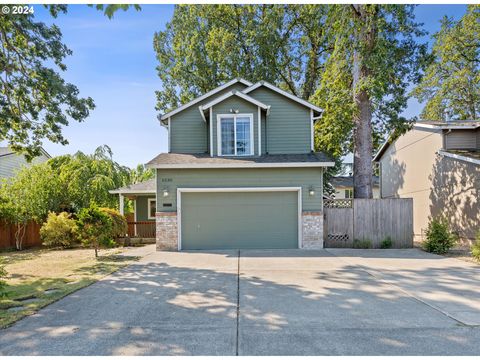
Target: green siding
(259, 177)
(263, 220)
(142, 207)
(243, 107)
(288, 127)
(189, 132)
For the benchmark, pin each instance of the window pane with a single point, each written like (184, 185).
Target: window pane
(243, 136)
(228, 136)
(153, 206)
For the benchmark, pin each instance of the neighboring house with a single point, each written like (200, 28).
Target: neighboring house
(240, 172)
(11, 162)
(438, 165)
(343, 186)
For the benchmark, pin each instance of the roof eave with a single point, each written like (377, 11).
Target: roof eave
(319, 164)
(204, 96)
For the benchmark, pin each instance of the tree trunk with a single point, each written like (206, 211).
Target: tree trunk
(96, 252)
(365, 37)
(19, 235)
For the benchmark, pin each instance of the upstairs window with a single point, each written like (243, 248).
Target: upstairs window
(235, 135)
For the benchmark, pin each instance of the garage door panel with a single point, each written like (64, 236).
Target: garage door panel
(239, 220)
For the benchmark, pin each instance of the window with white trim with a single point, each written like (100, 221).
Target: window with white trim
(152, 208)
(235, 135)
(348, 193)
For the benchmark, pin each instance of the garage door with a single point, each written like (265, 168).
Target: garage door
(239, 220)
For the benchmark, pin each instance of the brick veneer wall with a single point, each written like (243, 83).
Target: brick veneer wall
(167, 230)
(312, 227)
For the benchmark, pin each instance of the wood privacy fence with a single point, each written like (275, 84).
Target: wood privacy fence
(347, 220)
(31, 238)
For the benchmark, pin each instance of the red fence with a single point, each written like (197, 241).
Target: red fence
(141, 229)
(31, 238)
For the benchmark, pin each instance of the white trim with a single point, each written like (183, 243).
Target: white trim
(298, 189)
(243, 165)
(204, 96)
(133, 192)
(446, 126)
(259, 124)
(169, 135)
(282, 92)
(312, 127)
(459, 157)
(211, 132)
(149, 200)
(219, 134)
(121, 204)
(234, 93)
(202, 114)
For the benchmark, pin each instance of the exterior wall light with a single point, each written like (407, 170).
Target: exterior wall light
(311, 191)
(165, 192)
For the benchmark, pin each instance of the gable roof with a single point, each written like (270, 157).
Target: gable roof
(430, 124)
(282, 92)
(235, 93)
(204, 96)
(5, 150)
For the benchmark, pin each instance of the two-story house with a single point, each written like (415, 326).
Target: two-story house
(438, 165)
(240, 172)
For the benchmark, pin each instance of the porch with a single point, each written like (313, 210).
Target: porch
(141, 223)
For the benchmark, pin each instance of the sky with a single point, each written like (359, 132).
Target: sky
(114, 62)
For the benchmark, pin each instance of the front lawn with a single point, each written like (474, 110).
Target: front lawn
(39, 277)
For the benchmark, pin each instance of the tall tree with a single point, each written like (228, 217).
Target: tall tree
(35, 101)
(204, 46)
(364, 87)
(451, 85)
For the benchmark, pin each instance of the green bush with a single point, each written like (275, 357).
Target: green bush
(95, 228)
(362, 244)
(476, 248)
(119, 222)
(386, 243)
(59, 230)
(439, 237)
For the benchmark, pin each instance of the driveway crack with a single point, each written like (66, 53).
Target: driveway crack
(238, 302)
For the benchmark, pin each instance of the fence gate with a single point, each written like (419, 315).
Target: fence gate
(338, 223)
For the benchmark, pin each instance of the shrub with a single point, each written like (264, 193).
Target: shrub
(439, 237)
(386, 243)
(476, 248)
(59, 230)
(362, 244)
(119, 222)
(95, 228)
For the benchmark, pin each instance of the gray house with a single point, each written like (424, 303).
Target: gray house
(438, 165)
(240, 172)
(11, 162)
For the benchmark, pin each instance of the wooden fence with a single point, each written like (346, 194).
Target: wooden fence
(141, 229)
(7, 235)
(347, 220)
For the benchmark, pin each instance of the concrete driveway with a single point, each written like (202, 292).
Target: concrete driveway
(328, 302)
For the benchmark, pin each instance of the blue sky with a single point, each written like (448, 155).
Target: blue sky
(114, 62)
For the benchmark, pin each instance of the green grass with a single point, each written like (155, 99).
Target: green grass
(32, 272)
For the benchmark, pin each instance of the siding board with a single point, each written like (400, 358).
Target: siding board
(304, 177)
(189, 133)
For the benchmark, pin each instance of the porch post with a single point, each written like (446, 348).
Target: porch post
(121, 205)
